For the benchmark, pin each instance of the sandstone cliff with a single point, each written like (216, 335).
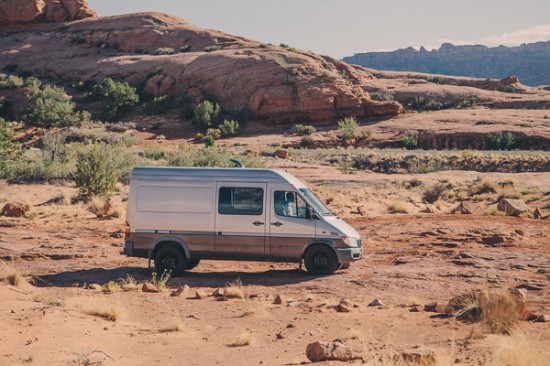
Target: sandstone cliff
(36, 11)
(530, 62)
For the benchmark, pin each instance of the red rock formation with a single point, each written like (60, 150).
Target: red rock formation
(36, 11)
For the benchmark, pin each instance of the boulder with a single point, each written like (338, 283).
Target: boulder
(280, 300)
(376, 302)
(464, 208)
(513, 207)
(149, 287)
(182, 290)
(344, 306)
(200, 294)
(15, 210)
(94, 286)
(39, 11)
(434, 307)
(281, 154)
(331, 351)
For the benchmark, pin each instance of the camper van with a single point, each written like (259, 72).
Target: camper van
(178, 216)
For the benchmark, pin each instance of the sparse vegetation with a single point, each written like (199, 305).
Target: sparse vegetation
(206, 114)
(165, 51)
(11, 274)
(175, 326)
(410, 141)
(348, 127)
(520, 349)
(52, 107)
(234, 290)
(112, 313)
(303, 130)
(431, 104)
(244, 339)
(10, 151)
(119, 97)
(509, 89)
(161, 282)
(381, 96)
(398, 207)
(95, 172)
(502, 141)
(212, 48)
(229, 128)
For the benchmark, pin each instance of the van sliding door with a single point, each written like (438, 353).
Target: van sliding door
(240, 220)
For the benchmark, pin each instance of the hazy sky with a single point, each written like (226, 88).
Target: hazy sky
(342, 28)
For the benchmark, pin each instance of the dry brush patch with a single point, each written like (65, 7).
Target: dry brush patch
(11, 274)
(244, 339)
(521, 349)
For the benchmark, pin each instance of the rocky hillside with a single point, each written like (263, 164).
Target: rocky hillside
(36, 11)
(530, 62)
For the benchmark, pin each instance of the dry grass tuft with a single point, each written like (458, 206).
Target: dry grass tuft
(175, 326)
(398, 207)
(353, 334)
(118, 211)
(413, 301)
(521, 350)
(99, 206)
(405, 359)
(485, 185)
(11, 274)
(111, 287)
(244, 339)
(129, 283)
(112, 313)
(233, 290)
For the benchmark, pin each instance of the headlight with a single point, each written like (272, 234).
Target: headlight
(350, 242)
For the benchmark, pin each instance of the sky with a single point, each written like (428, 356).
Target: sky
(345, 27)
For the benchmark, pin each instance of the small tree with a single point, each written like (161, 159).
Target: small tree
(95, 173)
(229, 128)
(120, 97)
(348, 127)
(10, 151)
(52, 107)
(206, 114)
(410, 141)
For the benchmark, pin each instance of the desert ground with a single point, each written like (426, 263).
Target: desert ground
(57, 315)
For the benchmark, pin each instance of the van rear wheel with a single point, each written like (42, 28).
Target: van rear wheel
(170, 260)
(192, 263)
(321, 260)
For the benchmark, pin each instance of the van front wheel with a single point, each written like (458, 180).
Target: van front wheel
(170, 259)
(320, 260)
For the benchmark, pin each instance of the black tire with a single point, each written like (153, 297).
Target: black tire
(170, 259)
(321, 260)
(192, 263)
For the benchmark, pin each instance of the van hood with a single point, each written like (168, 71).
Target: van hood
(343, 227)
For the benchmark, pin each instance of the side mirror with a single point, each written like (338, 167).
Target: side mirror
(310, 215)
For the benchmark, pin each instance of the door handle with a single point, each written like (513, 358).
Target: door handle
(258, 223)
(277, 223)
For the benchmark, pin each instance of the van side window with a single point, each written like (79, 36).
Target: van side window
(241, 201)
(289, 204)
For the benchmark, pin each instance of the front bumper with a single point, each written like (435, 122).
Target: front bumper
(128, 248)
(346, 255)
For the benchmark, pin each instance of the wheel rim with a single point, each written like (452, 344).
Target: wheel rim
(320, 261)
(169, 262)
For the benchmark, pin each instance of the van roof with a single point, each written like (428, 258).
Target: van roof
(216, 174)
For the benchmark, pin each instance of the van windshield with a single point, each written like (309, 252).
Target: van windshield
(316, 202)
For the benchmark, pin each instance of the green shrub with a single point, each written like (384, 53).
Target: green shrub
(214, 132)
(10, 151)
(52, 107)
(419, 103)
(438, 80)
(348, 127)
(209, 141)
(159, 105)
(410, 141)
(502, 141)
(381, 96)
(154, 153)
(303, 130)
(119, 97)
(467, 103)
(165, 51)
(206, 114)
(229, 128)
(509, 89)
(212, 48)
(10, 82)
(95, 172)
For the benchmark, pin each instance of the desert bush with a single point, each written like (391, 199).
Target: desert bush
(112, 313)
(159, 105)
(175, 326)
(187, 156)
(165, 51)
(467, 103)
(485, 186)
(95, 172)
(234, 290)
(121, 127)
(348, 127)
(502, 141)
(10, 82)
(120, 97)
(52, 107)
(10, 274)
(306, 141)
(161, 282)
(229, 128)
(431, 104)
(10, 151)
(398, 207)
(437, 80)
(206, 114)
(433, 193)
(154, 153)
(410, 141)
(303, 130)
(215, 133)
(509, 89)
(99, 206)
(98, 135)
(212, 48)
(520, 349)
(381, 96)
(244, 339)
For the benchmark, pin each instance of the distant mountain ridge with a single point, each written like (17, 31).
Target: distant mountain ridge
(530, 62)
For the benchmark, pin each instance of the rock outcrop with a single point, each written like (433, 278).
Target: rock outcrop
(37, 11)
(165, 55)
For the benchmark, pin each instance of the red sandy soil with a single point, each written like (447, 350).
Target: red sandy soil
(415, 258)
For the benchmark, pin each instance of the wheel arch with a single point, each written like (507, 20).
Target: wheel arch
(325, 242)
(170, 241)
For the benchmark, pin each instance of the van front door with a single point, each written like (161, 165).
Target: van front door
(240, 220)
(289, 229)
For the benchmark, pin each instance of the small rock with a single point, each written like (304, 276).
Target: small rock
(361, 211)
(434, 307)
(269, 297)
(280, 300)
(326, 351)
(537, 214)
(94, 286)
(149, 287)
(494, 239)
(344, 306)
(376, 302)
(415, 309)
(200, 294)
(280, 335)
(513, 207)
(119, 234)
(281, 154)
(14, 210)
(538, 318)
(464, 208)
(182, 290)
(293, 304)
(430, 209)
(218, 292)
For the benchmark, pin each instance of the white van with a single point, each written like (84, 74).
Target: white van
(178, 216)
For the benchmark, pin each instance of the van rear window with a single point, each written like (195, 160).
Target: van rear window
(241, 201)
